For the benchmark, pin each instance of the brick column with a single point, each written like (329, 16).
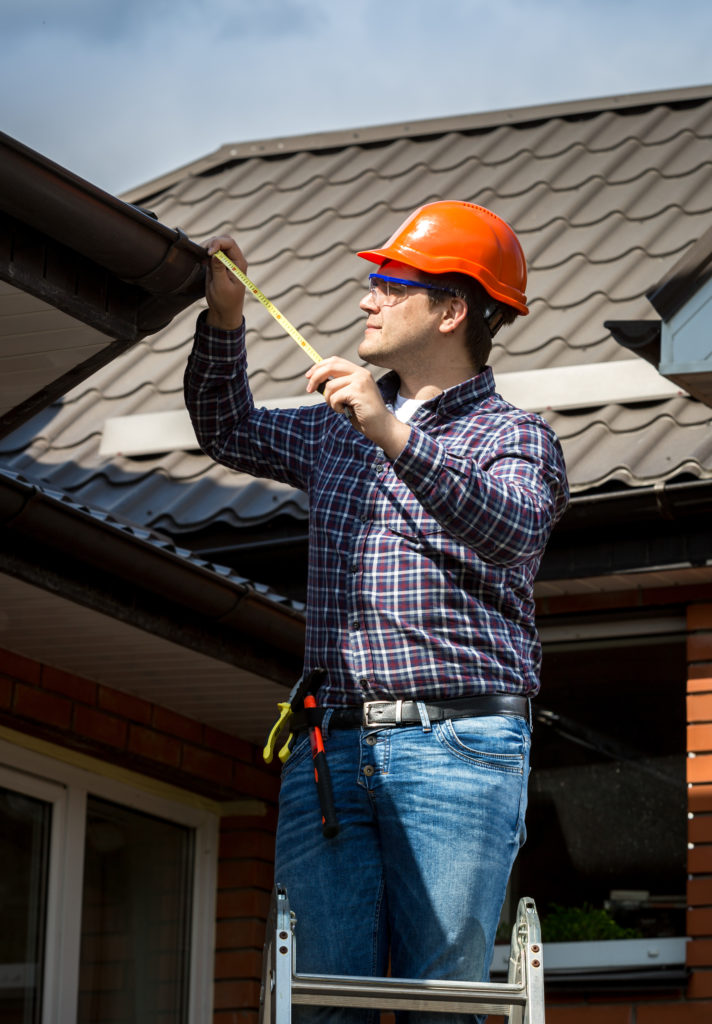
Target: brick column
(699, 781)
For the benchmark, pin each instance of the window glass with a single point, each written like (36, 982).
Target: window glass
(135, 940)
(24, 856)
(607, 819)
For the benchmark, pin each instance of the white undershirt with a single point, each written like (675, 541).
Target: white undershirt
(405, 407)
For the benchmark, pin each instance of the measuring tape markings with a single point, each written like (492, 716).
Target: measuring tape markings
(269, 306)
(279, 317)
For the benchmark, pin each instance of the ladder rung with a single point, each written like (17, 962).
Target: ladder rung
(521, 998)
(400, 993)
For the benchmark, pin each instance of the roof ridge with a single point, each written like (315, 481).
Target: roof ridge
(377, 134)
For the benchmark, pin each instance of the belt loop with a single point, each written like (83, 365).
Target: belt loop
(399, 712)
(531, 717)
(328, 712)
(424, 717)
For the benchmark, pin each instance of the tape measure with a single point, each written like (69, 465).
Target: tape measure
(269, 306)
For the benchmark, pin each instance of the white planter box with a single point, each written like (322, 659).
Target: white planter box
(605, 955)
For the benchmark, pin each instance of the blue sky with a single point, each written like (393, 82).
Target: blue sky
(122, 91)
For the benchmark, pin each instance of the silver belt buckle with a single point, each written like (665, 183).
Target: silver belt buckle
(370, 705)
(366, 719)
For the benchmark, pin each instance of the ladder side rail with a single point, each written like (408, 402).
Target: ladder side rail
(277, 960)
(532, 961)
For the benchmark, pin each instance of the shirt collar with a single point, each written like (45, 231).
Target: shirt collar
(451, 402)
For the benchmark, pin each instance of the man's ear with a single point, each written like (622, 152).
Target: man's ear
(454, 314)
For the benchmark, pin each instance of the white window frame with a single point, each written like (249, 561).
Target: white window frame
(66, 787)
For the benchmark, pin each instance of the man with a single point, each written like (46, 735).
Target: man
(430, 506)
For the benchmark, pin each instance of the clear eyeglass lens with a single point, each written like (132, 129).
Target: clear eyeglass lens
(387, 293)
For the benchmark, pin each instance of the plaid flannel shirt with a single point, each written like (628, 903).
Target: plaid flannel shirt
(421, 570)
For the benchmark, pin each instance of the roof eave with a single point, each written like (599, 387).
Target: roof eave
(91, 256)
(682, 282)
(224, 617)
(128, 241)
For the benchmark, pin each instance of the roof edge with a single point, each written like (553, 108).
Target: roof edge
(283, 145)
(172, 576)
(54, 201)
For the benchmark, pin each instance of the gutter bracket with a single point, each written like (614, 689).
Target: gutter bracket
(152, 281)
(662, 501)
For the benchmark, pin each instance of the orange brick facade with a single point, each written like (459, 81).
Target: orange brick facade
(699, 782)
(136, 734)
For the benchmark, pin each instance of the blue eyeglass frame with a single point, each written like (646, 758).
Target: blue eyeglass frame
(493, 318)
(410, 284)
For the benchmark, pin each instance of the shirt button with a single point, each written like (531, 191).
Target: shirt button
(354, 625)
(364, 517)
(369, 770)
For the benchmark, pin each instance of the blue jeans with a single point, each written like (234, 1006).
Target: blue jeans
(431, 821)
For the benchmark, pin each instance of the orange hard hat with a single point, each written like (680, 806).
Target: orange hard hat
(451, 236)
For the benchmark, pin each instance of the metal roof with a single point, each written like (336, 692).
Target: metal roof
(606, 196)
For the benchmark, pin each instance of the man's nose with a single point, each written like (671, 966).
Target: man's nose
(368, 302)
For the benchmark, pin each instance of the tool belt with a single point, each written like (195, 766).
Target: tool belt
(389, 714)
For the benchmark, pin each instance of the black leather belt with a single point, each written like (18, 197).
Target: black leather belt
(388, 714)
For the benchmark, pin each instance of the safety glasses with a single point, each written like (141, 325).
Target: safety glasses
(388, 291)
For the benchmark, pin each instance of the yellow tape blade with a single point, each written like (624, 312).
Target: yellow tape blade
(269, 306)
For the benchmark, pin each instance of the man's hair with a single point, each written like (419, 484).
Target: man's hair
(479, 330)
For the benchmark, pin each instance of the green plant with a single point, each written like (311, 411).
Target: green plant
(582, 924)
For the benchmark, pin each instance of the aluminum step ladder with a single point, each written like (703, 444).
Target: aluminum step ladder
(521, 997)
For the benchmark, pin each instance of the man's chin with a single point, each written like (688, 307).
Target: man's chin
(369, 353)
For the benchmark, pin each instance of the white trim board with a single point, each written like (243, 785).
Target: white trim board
(558, 387)
(579, 387)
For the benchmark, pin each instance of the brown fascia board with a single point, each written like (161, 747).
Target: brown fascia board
(127, 241)
(131, 574)
(375, 134)
(683, 279)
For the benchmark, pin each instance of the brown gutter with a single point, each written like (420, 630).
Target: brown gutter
(121, 238)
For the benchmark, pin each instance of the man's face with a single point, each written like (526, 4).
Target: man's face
(402, 335)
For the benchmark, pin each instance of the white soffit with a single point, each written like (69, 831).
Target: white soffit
(148, 433)
(561, 387)
(38, 345)
(580, 387)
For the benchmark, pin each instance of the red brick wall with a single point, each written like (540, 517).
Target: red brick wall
(244, 887)
(145, 737)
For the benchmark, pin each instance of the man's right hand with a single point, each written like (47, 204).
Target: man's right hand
(225, 294)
